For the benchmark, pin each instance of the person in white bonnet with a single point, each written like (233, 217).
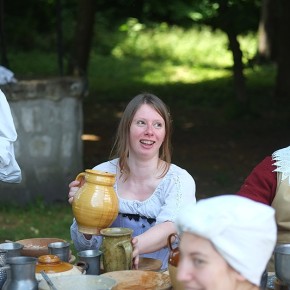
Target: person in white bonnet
(225, 243)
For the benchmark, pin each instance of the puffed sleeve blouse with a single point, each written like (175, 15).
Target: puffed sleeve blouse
(176, 189)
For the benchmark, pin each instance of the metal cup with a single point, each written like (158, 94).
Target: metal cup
(60, 249)
(3, 274)
(13, 249)
(91, 259)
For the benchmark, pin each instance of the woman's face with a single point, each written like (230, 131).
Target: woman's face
(201, 267)
(147, 132)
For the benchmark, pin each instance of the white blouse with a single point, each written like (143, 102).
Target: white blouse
(176, 189)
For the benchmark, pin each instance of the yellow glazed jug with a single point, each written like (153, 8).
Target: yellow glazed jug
(95, 205)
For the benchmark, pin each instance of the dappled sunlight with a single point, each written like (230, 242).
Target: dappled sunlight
(90, 137)
(168, 73)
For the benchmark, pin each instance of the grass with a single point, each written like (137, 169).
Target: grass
(185, 67)
(35, 220)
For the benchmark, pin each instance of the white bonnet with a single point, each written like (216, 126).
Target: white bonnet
(243, 231)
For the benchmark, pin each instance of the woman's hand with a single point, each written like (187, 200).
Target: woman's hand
(73, 188)
(135, 253)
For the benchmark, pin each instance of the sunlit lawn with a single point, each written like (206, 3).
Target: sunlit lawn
(35, 221)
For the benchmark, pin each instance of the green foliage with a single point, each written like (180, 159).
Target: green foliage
(33, 64)
(184, 66)
(171, 43)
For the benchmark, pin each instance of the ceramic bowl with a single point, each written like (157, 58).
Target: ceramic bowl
(149, 264)
(77, 282)
(36, 247)
(139, 280)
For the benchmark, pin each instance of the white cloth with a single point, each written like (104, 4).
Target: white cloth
(243, 231)
(9, 168)
(6, 76)
(282, 161)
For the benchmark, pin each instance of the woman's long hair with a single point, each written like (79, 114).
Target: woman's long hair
(121, 145)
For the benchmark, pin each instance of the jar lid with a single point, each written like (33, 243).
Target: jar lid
(51, 264)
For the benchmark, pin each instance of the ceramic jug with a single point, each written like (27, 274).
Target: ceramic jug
(174, 252)
(20, 274)
(173, 260)
(117, 249)
(95, 205)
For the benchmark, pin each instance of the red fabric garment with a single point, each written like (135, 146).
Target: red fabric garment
(261, 184)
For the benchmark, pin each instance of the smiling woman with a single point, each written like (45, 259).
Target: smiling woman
(151, 190)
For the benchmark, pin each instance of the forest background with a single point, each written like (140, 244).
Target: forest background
(221, 66)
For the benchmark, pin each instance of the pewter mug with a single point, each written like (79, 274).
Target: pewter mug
(3, 275)
(282, 263)
(91, 261)
(60, 249)
(13, 249)
(20, 274)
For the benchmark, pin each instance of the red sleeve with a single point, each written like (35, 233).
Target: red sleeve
(261, 184)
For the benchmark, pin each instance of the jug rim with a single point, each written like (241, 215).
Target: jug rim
(116, 231)
(97, 172)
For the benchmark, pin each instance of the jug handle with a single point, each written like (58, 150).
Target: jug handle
(169, 240)
(80, 177)
(127, 246)
(83, 265)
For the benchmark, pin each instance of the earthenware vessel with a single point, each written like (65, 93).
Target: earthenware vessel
(117, 249)
(173, 260)
(95, 205)
(174, 251)
(53, 267)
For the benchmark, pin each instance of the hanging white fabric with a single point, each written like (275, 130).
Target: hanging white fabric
(9, 168)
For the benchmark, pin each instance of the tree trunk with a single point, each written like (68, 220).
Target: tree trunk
(267, 33)
(283, 60)
(4, 59)
(239, 78)
(58, 9)
(81, 47)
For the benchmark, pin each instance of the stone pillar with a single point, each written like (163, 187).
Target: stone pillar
(49, 122)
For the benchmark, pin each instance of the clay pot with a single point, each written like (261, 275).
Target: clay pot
(174, 252)
(53, 266)
(95, 205)
(173, 260)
